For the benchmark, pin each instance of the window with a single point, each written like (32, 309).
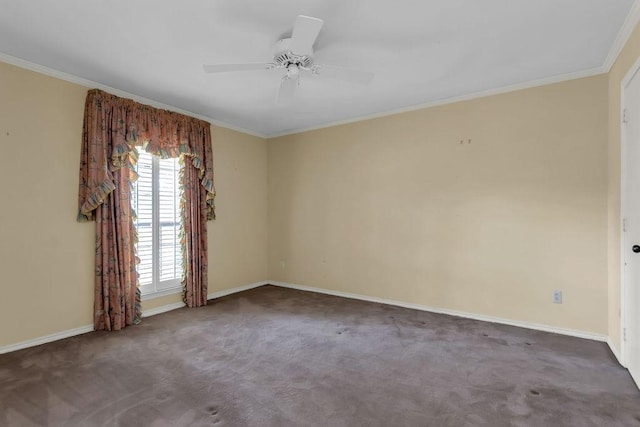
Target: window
(156, 201)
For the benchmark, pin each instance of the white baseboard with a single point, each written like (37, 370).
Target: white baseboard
(145, 313)
(235, 290)
(527, 325)
(151, 312)
(162, 309)
(615, 351)
(219, 294)
(45, 339)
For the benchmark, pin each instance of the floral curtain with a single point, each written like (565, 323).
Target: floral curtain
(113, 127)
(194, 238)
(116, 300)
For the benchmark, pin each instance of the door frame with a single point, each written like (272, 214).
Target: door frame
(631, 74)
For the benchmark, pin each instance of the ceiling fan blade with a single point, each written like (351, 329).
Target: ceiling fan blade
(342, 73)
(305, 32)
(224, 68)
(288, 86)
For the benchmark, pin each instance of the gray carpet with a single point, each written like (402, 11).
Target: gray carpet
(279, 357)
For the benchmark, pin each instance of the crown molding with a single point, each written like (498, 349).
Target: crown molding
(445, 101)
(31, 66)
(630, 23)
(625, 32)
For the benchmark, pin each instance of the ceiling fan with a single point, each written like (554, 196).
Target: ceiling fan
(295, 55)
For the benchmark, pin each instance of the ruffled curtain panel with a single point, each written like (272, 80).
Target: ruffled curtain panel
(113, 128)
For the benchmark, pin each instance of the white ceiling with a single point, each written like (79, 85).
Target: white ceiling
(421, 51)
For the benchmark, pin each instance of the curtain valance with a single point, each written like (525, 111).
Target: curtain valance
(113, 126)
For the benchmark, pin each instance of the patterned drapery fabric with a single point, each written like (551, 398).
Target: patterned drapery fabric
(116, 299)
(194, 209)
(113, 127)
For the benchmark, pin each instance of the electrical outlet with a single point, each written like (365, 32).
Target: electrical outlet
(556, 297)
(282, 265)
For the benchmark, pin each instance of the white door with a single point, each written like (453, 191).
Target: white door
(631, 224)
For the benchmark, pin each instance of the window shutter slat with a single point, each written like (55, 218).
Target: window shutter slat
(169, 214)
(160, 227)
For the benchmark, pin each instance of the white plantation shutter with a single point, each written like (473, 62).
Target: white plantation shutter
(156, 200)
(142, 201)
(170, 266)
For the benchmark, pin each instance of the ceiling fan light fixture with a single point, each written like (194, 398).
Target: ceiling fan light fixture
(293, 71)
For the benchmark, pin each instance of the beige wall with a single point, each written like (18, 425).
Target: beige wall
(393, 207)
(626, 59)
(46, 257)
(397, 208)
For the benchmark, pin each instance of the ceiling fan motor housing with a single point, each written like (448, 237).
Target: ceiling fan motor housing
(283, 56)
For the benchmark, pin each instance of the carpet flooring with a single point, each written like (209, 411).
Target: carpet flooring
(279, 357)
